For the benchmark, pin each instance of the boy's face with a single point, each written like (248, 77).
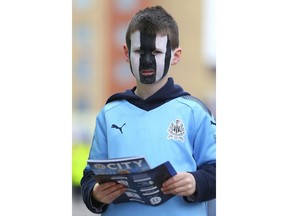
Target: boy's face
(150, 57)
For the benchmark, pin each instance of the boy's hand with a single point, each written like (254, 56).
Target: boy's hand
(107, 192)
(182, 184)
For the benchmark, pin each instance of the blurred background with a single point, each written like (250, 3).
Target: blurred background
(99, 69)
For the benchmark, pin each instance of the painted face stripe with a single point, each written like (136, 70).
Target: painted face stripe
(167, 57)
(147, 59)
(163, 61)
(134, 59)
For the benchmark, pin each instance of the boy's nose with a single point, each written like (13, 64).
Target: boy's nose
(148, 58)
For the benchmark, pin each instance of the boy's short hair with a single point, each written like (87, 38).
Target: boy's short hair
(153, 20)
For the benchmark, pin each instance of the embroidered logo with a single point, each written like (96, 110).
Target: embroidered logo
(176, 130)
(117, 127)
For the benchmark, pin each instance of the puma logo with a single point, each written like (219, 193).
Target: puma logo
(117, 127)
(212, 123)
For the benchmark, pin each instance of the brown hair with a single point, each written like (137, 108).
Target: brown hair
(153, 20)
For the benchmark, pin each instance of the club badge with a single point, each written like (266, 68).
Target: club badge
(176, 130)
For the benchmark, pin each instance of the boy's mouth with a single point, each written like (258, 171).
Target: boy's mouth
(147, 72)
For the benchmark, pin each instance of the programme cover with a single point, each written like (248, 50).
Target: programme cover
(119, 165)
(143, 186)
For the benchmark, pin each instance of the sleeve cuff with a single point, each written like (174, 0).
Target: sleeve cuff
(97, 206)
(192, 198)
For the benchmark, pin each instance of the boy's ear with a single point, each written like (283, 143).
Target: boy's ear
(176, 56)
(126, 53)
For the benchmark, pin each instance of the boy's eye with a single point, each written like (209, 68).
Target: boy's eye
(138, 51)
(156, 52)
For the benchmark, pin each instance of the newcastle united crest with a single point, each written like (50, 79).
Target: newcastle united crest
(176, 130)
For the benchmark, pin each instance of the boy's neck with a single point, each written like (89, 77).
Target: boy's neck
(144, 91)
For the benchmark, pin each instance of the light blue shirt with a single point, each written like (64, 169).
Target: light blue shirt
(180, 131)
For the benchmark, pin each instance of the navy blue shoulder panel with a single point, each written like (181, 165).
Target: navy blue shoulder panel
(203, 105)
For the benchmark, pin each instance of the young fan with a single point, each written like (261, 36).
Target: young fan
(156, 119)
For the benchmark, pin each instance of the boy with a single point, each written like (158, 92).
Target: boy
(158, 120)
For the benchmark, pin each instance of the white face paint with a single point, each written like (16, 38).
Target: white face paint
(135, 54)
(150, 57)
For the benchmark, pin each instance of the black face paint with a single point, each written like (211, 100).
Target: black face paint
(147, 59)
(167, 57)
